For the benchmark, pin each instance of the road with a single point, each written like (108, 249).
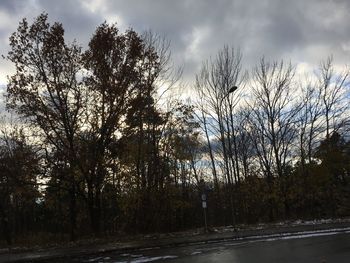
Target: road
(323, 247)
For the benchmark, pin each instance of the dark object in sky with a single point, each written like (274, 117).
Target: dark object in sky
(232, 89)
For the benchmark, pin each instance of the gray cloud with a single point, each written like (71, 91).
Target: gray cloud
(302, 31)
(78, 21)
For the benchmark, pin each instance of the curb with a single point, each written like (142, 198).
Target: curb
(278, 232)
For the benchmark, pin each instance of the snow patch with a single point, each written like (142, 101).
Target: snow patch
(141, 258)
(296, 235)
(93, 259)
(150, 259)
(305, 236)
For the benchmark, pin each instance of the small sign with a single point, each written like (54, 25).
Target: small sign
(204, 197)
(204, 204)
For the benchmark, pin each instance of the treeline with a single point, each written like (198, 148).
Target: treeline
(98, 150)
(279, 145)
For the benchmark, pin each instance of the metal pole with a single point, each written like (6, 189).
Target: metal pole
(205, 220)
(204, 206)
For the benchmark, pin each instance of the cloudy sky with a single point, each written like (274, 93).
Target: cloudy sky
(303, 31)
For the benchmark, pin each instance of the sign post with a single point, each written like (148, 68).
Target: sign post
(204, 206)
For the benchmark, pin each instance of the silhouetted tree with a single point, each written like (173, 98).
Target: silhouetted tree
(45, 92)
(19, 193)
(273, 122)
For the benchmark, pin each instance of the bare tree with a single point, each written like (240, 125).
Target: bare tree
(332, 85)
(217, 109)
(310, 121)
(273, 119)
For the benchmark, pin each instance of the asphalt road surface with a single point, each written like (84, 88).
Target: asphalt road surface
(324, 247)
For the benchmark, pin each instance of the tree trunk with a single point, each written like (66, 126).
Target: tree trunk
(73, 213)
(5, 226)
(94, 210)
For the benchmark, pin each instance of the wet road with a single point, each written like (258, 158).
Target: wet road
(330, 247)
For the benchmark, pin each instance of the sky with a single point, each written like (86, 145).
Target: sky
(302, 31)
